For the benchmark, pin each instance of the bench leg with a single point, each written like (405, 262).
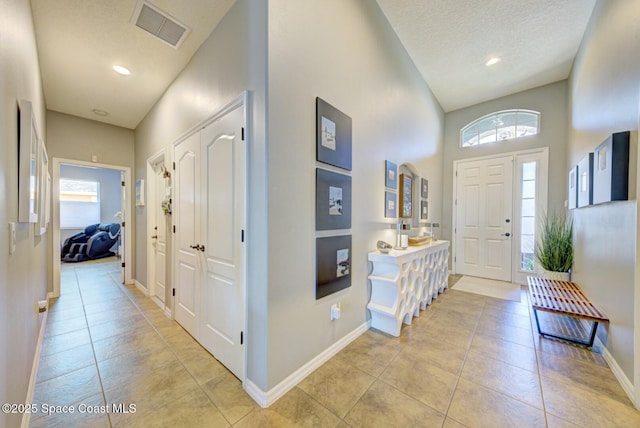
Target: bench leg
(592, 334)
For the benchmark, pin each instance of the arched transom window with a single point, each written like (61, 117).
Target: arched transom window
(499, 126)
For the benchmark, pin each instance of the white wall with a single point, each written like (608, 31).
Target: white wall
(550, 101)
(604, 98)
(230, 61)
(24, 283)
(346, 53)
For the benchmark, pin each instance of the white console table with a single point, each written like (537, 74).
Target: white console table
(404, 282)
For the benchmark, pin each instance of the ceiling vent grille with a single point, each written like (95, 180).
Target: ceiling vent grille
(158, 23)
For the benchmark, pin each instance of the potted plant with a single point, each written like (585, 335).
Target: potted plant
(554, 247)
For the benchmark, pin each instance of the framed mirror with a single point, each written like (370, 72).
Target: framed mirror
(406, 196)
(28, 165)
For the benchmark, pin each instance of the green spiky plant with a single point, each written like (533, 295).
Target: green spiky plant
(554, 247)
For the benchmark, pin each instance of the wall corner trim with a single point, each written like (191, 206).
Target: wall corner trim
(624, 381)
(141, 287)
(265, 399)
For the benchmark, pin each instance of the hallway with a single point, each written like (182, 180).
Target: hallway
(468, 360)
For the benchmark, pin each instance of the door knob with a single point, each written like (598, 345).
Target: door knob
(508, 220)
(195, 247)
(506, 234)
(201, 248)
(154, 237)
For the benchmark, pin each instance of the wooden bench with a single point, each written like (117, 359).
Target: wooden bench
(564, 298)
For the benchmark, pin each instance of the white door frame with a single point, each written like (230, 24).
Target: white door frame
(56, 216)
(152, 205)
(542, 191)
(244, 100)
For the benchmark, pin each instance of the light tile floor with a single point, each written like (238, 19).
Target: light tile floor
(468, 360)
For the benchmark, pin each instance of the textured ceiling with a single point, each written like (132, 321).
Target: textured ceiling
(80, 40)
(450, 41)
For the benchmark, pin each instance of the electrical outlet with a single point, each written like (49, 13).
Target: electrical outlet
(335, 311)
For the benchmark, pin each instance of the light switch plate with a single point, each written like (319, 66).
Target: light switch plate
(12, 237)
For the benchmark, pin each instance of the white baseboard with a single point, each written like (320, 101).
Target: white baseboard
(34, 366)
(141, 287)
(622, 378)
(265, 399)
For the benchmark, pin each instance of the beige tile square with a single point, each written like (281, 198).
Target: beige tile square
(202, 365)
(556, 422)
(294, 409)
(476, 406)
(68, 388)
(586, 407)
(438, 353)
(194, 409)
(508, 352)
(416, 377)
(502, 317)
(515, 382)
(337, 386)
(227, 394)
(452, 423)
(132, 365)
(60, 363)
(384, 406)
(592, 376)
(63, 342)
(61, 326)
(146, 341)
(84, 415)
(509, 333)
(564, 349)
(371, 352)
(119, 327)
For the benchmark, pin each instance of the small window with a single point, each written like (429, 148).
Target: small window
(500, 126)
(79, 203)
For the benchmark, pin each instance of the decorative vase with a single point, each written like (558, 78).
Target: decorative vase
(558, 276)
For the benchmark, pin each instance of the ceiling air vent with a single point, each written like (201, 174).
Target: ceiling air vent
(157, 22)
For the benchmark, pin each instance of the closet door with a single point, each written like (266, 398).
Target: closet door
(223, 223)
(188, 235)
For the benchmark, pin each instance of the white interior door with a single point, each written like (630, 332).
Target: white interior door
(484, 207)
(223, 220)
(159, 237)
(187, 237)
(122, 239)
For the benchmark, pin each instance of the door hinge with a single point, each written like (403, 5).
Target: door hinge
(122, 224)
(122, 183)
(174, 228)
(242, 337)
(242, 235)
(122, 264)
(174, 166)
(243, 134)
(173, 292)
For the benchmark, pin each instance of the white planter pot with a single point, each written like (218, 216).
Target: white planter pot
(558, 276)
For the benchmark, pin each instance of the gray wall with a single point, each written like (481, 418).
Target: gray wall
(551, 102)
(346, 53)
(603, 94)
(22, 274)
(230, 61)
(110, 188)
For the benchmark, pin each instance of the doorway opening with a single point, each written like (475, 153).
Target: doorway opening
(90, 216)
(496, 203)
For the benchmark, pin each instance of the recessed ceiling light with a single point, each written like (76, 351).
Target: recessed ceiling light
(122, 70)
(492, 61)
(100, 112)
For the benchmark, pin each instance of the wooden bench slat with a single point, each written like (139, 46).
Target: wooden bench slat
(562, 297)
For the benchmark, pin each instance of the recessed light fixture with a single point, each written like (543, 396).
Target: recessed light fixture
(121, 70)
(100, 112)
(492, 61)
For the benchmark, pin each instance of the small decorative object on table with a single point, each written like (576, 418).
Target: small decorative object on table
(384, 247)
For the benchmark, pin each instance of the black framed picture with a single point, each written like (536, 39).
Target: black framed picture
(333, 270)
(333, 135)
(390, 175)
(390, 204)
(424, 210)
(424, 188)
(333, 200)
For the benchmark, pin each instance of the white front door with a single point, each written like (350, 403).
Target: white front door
(483, 225)
(187, 237)
(223, 225)
(159, 237)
